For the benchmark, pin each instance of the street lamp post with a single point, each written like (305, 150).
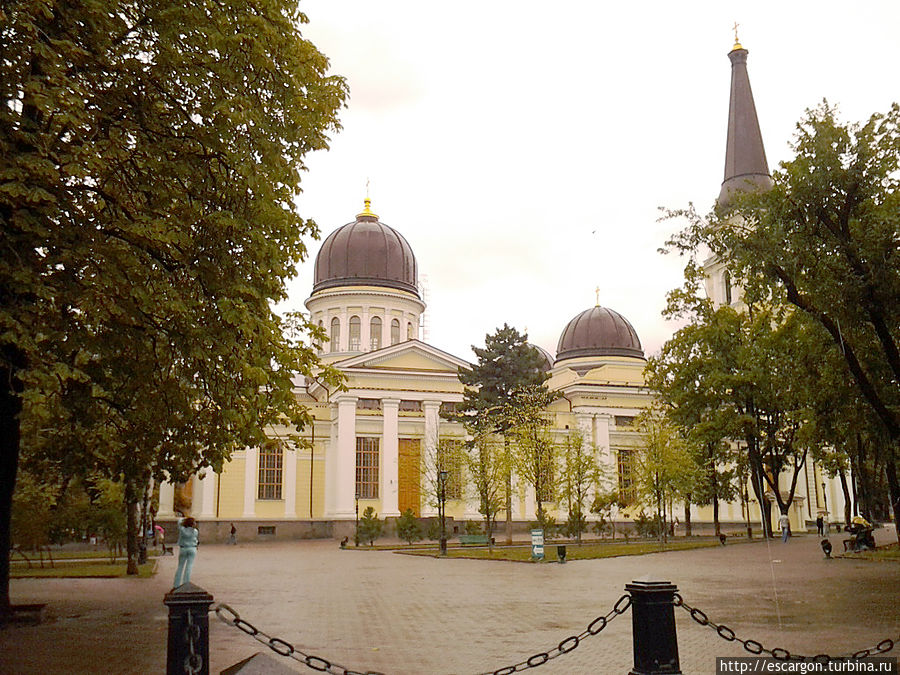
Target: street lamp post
(825, 499)
(442, 500)
(356, 533)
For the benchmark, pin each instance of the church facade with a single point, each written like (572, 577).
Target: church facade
(374, 442)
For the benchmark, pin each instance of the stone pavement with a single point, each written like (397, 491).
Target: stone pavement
(370, 610)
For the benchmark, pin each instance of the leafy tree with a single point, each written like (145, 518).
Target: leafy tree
(488, 467)
(604, 505)
(370, 527)
(825, 240)
(149, 159)
(408, 528)
(536, 454)
(662, 465)
(505, 364)
(579, 474)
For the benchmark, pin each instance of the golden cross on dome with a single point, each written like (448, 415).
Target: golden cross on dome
(737, 42)
(597, 292)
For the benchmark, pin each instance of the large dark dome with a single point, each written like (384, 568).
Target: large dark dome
(598, 331)
(366, 253)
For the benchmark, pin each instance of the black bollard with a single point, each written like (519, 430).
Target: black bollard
(653, 628)
(188, 650)
(561, 553)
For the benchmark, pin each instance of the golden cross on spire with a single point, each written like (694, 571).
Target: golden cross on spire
(597, 292)
(737, 42)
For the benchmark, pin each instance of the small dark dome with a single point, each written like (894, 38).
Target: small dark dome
(547, 356)
(366, 252)
(598, 331)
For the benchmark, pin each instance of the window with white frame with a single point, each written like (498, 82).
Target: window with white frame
(335, 335)
(355, 325)
(375, 333)
(271, 462)
(366, 467)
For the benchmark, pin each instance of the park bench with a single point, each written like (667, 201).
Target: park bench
(473, 539)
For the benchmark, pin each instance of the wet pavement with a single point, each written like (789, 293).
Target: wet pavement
(380, 611)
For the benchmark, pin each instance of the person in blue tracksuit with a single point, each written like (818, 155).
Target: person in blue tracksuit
(188, 539)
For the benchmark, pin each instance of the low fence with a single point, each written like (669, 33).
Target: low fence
(652, 605)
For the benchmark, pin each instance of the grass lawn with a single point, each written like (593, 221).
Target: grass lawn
(68, 554)
(587, 551)
(98, 569)
(889, 553)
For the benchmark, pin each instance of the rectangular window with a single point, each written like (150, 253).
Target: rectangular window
(448, 408)
(366, 467)
(266, 530)
(410, 406)
(627, 486)
(270, 472)
(624, 421)
(368, 404)
(451, 460)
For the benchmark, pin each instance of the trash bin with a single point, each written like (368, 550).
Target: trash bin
(561, 553)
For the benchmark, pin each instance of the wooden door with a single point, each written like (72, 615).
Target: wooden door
(409, 475)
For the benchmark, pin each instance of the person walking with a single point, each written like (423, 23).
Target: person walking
(188, 540)
(785, 523)
(233, 538)
(820, 525)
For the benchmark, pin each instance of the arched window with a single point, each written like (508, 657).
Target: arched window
(354, 333)
(395, 332)
(335, 335)
(375, 333)
(409, 331)
(727, 288)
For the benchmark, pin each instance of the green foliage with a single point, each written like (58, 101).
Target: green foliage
(433, 530)
(151, 156)
(547, 523)
(370, 527)
(824, 240)
(32, 514)
(603, 505)
(575, 525)
(473, 528)
(536, 454)
(408, 527)
(646, 526)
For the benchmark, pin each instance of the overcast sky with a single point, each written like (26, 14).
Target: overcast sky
(523, 148)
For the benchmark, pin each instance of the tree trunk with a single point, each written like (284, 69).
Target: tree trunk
(687, 518)
(10, 407)
(509, 532)
(890, 470)
(715, 505)
(131, 525)
(848, 515)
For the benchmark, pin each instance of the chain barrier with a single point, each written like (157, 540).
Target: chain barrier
(193, 662)
(284, 648)
(755, 647)
(570, 643)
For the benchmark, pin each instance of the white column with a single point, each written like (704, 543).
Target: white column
(386, 328)
(364, 331)
(251, 475)
(290, 483)
(390, 456)
(345, 331)
(344, 460)
(530, 503)
(166, 500)
(204, 505)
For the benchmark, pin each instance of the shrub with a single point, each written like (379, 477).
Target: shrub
(408, 527)
(369, 528)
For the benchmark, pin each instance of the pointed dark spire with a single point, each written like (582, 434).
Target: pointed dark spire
(745, 157)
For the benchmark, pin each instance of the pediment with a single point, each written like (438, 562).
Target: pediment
(409, 356)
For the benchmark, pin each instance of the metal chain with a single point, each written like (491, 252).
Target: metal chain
(193, 662)
(755, 647)
(570, 643)
(282, 647)
(285, 648)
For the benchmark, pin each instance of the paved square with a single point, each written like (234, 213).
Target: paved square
(403, 614)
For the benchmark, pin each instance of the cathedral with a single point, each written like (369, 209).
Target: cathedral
(372, 444)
